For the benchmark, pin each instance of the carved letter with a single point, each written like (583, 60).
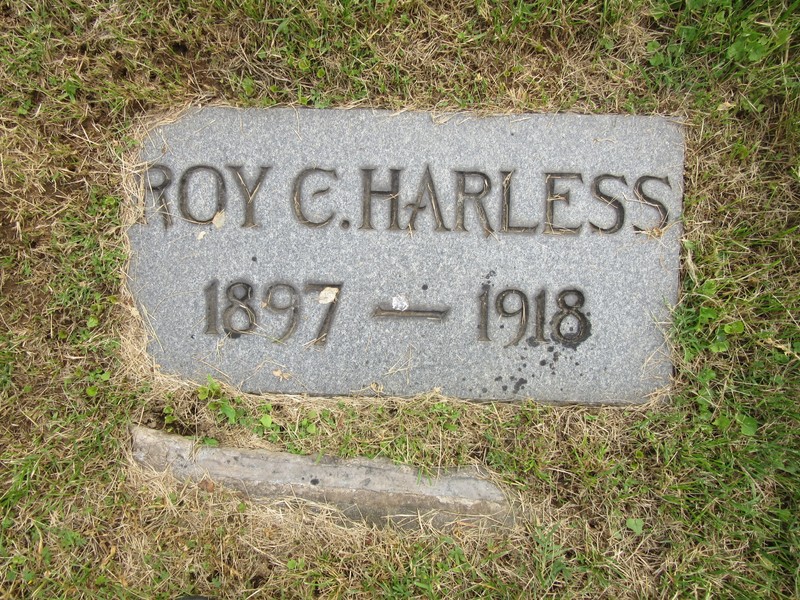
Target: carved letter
(248, 192)
(297, 196)
(610, 201)
(505, 215)
(183, 193)
(368, 193)
(462, 195)
(552, 197)
(662, 210)
(161, 198)
(426, 188)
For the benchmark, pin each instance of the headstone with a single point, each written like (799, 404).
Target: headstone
(357, 251)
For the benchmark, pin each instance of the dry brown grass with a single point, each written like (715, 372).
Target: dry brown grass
(79, 520)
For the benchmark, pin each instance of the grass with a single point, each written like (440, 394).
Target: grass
(693, 497)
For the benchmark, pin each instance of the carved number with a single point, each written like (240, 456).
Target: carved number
(239, 316)
(211, 292)
(325, 327)
(239, 295)
(570, 310)
(569, 302)
(522, 311)
(292, 306)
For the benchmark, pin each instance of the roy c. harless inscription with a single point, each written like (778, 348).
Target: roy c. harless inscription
(358, 251)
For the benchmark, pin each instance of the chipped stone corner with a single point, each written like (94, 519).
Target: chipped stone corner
(371, 490)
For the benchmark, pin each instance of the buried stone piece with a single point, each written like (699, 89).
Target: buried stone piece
(357, 251)
(374, 490)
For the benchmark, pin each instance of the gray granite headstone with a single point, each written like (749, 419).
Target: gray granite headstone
(358, 251)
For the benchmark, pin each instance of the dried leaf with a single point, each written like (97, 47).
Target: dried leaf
(219, 219)
(282, 375)
(328, 295)
(399, 303)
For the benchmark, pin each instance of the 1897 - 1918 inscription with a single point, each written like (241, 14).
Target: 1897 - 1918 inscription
(332, 252)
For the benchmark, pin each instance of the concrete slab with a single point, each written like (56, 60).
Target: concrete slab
(373, 490)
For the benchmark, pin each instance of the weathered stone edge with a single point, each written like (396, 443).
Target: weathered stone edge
(373, 490)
